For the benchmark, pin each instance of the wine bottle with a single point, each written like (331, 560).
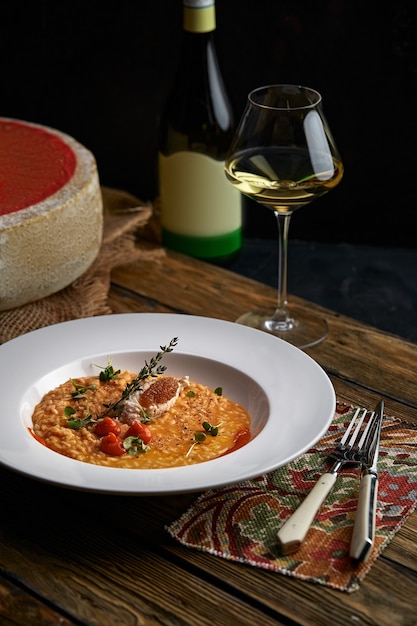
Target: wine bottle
(201, 212)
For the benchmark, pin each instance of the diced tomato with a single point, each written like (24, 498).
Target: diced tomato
(137, 429)
(107, 425)
(241, 439)
(112, 444)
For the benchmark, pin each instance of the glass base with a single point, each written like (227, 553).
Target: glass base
(303, 331)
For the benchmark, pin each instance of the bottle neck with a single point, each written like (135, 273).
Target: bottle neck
(199, 16)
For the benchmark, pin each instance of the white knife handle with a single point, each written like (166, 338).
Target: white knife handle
(291, 535)
(364, 527)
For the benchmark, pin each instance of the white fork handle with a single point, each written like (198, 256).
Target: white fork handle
(291, 535)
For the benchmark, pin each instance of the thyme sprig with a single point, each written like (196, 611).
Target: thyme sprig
(151, 369)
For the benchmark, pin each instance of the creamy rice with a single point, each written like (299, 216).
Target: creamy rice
(173, 433)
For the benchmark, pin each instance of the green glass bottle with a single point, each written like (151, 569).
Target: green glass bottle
(201, 212)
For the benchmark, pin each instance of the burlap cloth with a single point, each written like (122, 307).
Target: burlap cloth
(126, 219)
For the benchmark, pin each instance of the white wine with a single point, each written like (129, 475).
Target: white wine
(303, 176)
(200, 210)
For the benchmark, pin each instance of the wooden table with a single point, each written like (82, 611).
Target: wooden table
(70, 557)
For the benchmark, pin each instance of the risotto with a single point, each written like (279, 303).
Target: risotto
(198, 424)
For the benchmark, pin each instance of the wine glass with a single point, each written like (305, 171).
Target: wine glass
(283, 156)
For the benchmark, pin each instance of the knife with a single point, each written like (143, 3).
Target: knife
(364, 526)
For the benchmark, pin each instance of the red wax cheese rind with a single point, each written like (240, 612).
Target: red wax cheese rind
(34, 164)
(51, 211)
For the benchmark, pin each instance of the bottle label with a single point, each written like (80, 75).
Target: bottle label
(199, 16)
(196, 198)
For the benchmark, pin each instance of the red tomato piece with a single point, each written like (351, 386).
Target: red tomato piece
(137, 429)
(107, 425)
(112, 445)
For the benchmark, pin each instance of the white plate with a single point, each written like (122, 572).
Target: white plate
(290, 398)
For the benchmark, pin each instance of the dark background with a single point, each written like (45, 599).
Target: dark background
(101, 72)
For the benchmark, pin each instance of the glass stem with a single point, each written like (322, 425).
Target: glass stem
(281, 315)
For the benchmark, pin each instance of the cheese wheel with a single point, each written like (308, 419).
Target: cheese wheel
(51, 211)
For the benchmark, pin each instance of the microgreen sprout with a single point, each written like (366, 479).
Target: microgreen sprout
(134, 445)
(108, 373)
(79, 393)
(200, 437)
(80, 390)
(211, 430)
(76, 423)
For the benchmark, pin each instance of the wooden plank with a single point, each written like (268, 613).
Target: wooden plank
(312, 604)
(17, 606)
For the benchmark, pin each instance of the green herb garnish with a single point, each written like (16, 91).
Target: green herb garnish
(108, 373)
(200, 437)
(134, 445)
(211, 430)
(80, 390)
(76, 424)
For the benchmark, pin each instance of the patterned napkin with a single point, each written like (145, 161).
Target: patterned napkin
(240, 522)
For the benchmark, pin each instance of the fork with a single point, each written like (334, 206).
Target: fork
(350, 449)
